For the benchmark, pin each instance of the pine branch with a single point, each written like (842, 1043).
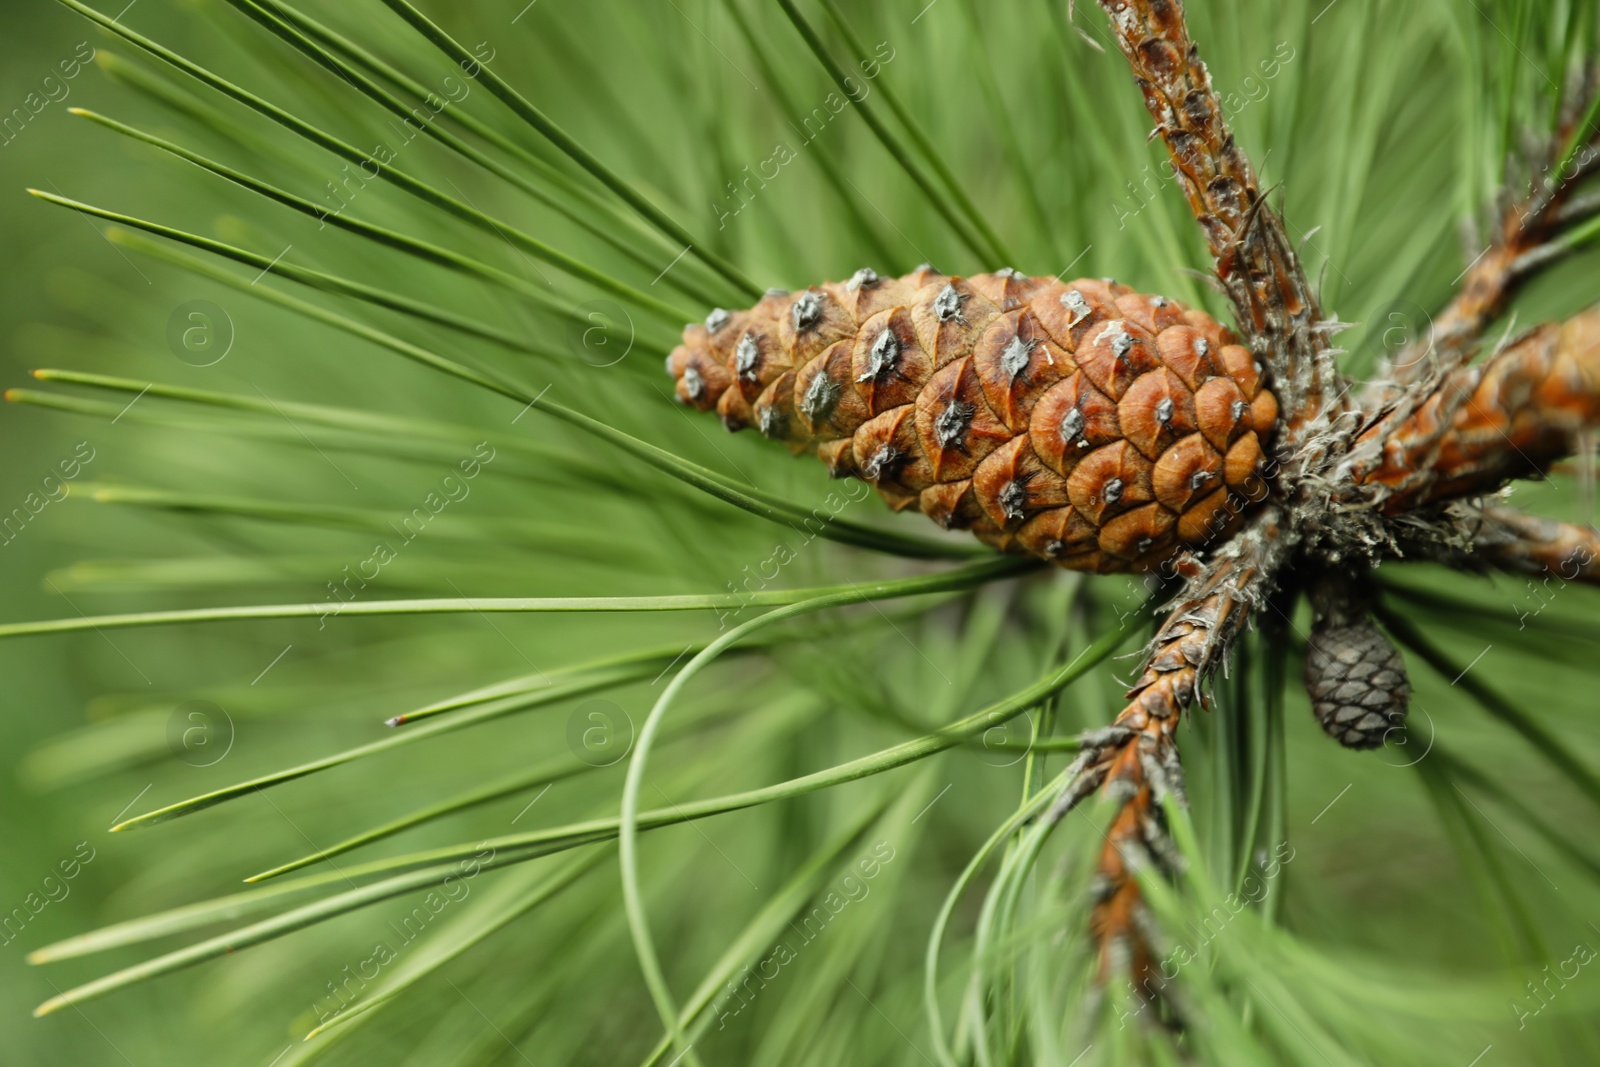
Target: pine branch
(1134, 761)
(1254, 259)
(1512, 416)
(1531, 544)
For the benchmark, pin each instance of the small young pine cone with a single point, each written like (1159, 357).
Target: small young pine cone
(1357, 682)
(1079, 421)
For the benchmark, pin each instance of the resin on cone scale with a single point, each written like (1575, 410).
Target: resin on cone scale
(1092, 426)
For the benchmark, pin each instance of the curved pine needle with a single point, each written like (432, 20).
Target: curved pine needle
(767, 924)
(998, 934)
(638, 760)
(930, 967)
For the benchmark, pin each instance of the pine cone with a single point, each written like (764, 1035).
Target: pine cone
(1357, 682)
(1080, 422)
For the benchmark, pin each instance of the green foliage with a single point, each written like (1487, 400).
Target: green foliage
(836, 851)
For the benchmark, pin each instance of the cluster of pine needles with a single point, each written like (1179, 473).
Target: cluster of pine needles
(644, 744)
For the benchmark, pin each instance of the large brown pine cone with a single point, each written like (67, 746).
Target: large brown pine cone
(1081, 422)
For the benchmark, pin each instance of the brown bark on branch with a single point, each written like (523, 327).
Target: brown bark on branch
(1134, 761)
(1529, 544)
(1512, 416)
(1254, 259)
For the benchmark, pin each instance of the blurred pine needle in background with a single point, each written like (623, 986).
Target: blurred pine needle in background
(580, 732)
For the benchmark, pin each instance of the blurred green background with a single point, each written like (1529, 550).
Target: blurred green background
(49, 682)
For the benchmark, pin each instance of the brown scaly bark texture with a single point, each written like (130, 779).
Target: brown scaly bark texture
(1134, 761)
(1255, 260)
(1527, 544)
(1081, 422)
(1511, 416)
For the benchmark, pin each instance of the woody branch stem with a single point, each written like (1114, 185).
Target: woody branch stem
(1254, 258)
